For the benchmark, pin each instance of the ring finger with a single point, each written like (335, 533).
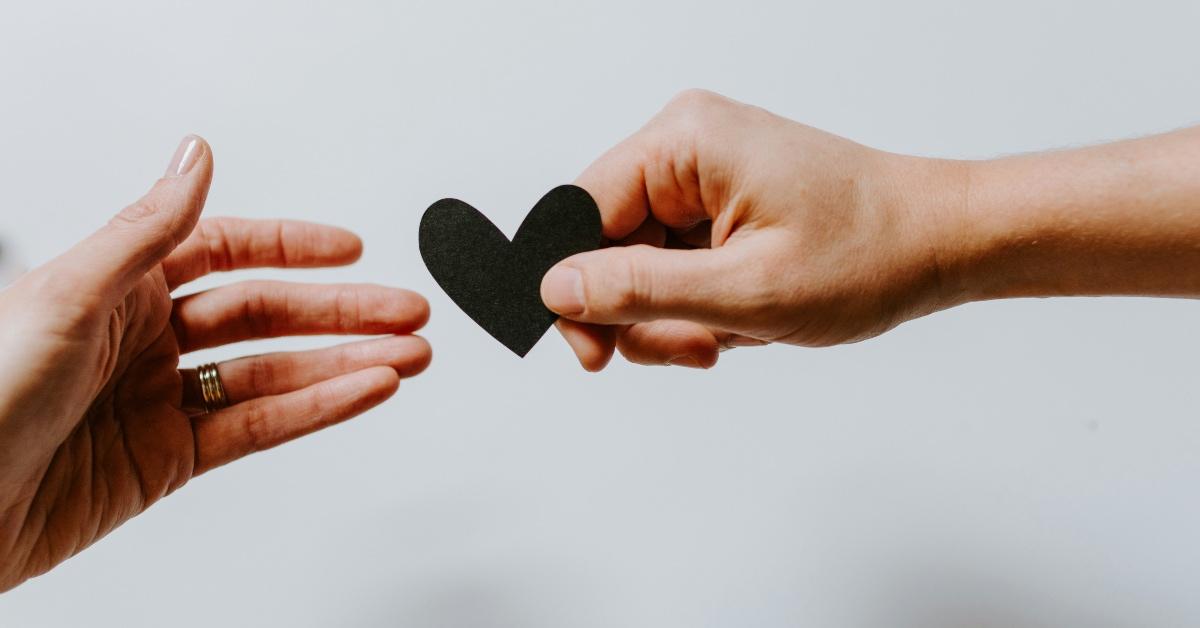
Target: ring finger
(257, 376)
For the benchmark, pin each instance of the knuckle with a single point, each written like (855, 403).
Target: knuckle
(137, 212)
(255, 426)
(631, 283)
(263, 376)
(145, 219)
(694, 109)
(213, 235)
(349, 308)
(641, 278)
(346, 360)
(256, 309)
(693, 98)
(281, 235)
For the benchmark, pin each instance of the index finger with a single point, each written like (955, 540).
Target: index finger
(221, 244)
(653, 172)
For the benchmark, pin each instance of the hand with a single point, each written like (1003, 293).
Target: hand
(97, 422)
(736, 227)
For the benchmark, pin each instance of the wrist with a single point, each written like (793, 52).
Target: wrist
(1006, 241)
(1005, 234)
(991, 234)
(931, 196)
(976, 235)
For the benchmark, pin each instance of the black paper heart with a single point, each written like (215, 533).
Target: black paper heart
(497, 282)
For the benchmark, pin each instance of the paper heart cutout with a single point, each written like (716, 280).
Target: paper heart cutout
(495, 281)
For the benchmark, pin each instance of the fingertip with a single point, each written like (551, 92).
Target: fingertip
(354, 248)
(595, 361)
(191, 162)
(362, 390)
(705, 359)
(615, 182)
(291, 243)
(562, 290)
(593, 345)
(412, 311)
(200, 176)
(346, 247)
(705, 350)
(190, 151)
(423, 311)
(381, 382)
(375, 385)
(206, 156)
(415, 356)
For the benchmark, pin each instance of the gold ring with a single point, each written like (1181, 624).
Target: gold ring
(212, 391)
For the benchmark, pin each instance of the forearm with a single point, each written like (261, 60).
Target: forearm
(1116, 219)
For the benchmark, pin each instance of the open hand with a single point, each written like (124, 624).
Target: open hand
(97, 422)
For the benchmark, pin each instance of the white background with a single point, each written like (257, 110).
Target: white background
(1019, 464)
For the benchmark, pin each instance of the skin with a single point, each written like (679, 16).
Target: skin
(97, 422)
(732, 226)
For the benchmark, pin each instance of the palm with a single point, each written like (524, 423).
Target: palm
(134, 440)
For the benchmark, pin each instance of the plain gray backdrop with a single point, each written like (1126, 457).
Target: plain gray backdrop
(1021, 464)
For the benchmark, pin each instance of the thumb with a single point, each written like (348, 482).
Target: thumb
(631, 284)
(110, 261)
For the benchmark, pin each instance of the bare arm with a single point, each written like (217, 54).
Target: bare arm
(798, 236)
(1116, 219)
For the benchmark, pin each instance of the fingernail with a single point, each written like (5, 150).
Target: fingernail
(185, 157)
(744, 341)
(685, 360)
(562, 290)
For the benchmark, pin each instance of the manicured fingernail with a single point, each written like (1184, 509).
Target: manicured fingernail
(685, 360)
(185, 157)
(562, 290)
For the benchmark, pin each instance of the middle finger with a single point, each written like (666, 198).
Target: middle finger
(269, 309)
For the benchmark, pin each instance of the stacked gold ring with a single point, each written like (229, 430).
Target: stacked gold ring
(212, 391)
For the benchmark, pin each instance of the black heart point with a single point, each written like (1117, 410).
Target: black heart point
(498, 282)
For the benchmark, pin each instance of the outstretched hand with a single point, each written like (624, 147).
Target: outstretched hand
(733, 227)
(96, 420)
